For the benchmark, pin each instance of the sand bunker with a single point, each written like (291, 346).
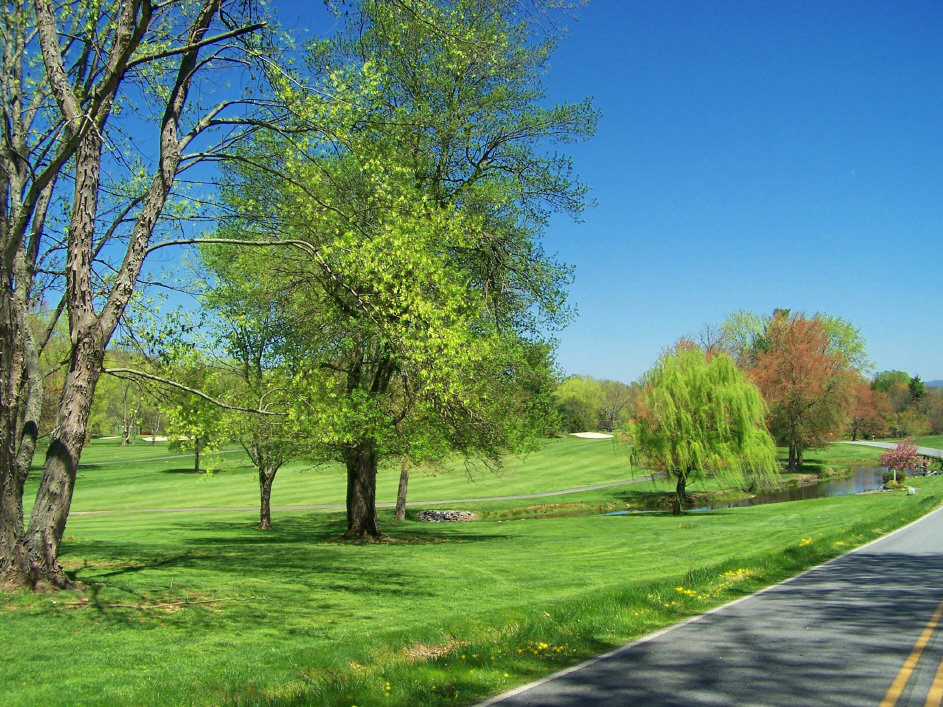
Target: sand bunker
(591, 435)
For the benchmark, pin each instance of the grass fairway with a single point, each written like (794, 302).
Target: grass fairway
(152, 477)
(202, 608)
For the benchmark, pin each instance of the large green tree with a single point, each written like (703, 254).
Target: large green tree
(700, 415)
(586, 403)
(417, 283)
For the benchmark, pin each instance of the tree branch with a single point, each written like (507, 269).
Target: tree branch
(124, 372)
(238, 32)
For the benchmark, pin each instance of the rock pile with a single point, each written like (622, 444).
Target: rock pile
(445, 516)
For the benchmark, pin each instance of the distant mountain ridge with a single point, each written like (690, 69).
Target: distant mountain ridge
(934, 384)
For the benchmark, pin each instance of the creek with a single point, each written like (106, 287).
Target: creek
(862, 479)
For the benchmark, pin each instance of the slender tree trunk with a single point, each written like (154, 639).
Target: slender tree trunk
(14, 563)
(680, 493)
(361, 461)
(266, 477)
(196, 455)
(401, 491)
(799, 455)
(792, 456)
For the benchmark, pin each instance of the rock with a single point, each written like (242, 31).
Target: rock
(445, 516)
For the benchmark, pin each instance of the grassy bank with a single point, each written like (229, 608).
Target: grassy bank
(201, 608)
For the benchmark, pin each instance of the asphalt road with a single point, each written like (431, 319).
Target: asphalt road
(925, 451)
(843, 633)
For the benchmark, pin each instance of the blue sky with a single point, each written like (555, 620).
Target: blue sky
(752, 155)
(755, 155)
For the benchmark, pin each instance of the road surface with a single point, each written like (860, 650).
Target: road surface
(925, 451)
(863, 629)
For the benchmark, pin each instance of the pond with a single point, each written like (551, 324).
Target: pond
(863, 479)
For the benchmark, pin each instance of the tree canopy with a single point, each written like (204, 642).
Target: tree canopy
(807, 382)
(418, 291)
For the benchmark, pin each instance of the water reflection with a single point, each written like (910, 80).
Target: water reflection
(864, 479)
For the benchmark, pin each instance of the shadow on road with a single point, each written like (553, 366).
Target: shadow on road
(836, 636)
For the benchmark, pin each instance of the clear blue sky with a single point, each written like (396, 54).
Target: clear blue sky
(753, 155)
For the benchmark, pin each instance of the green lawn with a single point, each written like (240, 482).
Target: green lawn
(170, 483)
(439, 614)
(934, 441)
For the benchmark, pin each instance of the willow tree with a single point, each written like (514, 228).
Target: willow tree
(700, 415)
(422, 297)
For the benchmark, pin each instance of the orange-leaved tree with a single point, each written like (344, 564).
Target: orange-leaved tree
(870, 412)
(806, 382)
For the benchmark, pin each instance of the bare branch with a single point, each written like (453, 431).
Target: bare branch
(130, 372)
(248, 29)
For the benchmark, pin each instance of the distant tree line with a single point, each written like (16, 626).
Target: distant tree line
(812, 373)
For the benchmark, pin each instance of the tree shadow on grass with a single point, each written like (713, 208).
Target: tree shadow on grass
(232, 555)
(192, 472)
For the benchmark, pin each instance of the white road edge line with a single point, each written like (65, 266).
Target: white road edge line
(661, 632)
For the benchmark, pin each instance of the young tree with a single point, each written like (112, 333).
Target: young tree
(69, 70)
(256, 348)
(617, 400)
(194, 423)
(904, 456)
(700, 415)
(806, 383)
(418, 284)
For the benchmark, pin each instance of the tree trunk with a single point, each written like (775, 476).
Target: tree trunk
(792, 457)
(14, 562)
(21, 393)
(266, 477)
(361, 461)
(401, 491)
(196, 455)
(799, 456)
(680, 494)
(54, 497)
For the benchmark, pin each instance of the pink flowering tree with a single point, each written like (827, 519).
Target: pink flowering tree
(903, 456)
